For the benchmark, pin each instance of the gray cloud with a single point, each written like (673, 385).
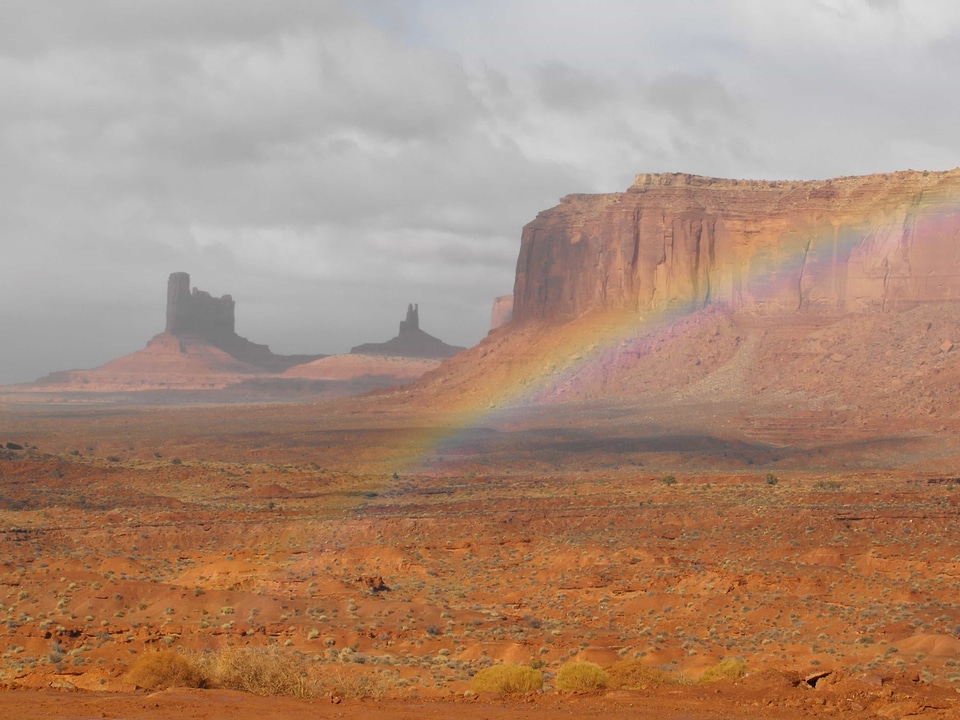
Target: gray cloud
(327, 161)
(570, 89)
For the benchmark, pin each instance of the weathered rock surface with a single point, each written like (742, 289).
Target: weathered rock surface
(411, 341)
(682, 242)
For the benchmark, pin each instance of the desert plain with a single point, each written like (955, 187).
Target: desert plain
(394, 566)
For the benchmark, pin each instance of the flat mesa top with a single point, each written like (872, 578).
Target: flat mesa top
(645, 180)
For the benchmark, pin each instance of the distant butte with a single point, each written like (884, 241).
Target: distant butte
(199, 315)
(198, 350)
(411, 341)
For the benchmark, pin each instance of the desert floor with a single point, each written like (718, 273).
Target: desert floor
(826, 559)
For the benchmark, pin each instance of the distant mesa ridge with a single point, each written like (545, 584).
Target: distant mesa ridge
(410, 341)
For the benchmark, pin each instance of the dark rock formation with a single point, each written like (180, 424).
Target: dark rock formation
(682, 242)
(374, 583)
(198, 314)
(412, 322)
(411, 341)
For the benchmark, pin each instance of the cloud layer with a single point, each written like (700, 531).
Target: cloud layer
(326, 162)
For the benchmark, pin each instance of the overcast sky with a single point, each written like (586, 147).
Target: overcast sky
(327, 162)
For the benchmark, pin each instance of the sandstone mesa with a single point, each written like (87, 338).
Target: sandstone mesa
(851, 244)
(839, 297)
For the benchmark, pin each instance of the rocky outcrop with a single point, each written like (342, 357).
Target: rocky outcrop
(197, 314)
(502, 312)
(410, 341)
(682, 242)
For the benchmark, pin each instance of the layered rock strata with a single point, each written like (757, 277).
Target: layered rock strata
(683, 242)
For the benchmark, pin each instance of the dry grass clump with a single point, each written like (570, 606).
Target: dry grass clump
(581, 676)
(262, 671)
(267, 671)
(726, 669)
(164, 669)
(634, 675)
(507, 679)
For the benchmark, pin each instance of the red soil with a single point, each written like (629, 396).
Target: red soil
(541, 537)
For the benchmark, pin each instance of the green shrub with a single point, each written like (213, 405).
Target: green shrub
(726, 669)
(772, 479)
(507, 679)
(668, 480)
(582, 676)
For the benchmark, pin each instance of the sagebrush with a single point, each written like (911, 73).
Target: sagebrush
(634, 675)
(726, 669)
(581, 676)
(507, 679)
(162, 669)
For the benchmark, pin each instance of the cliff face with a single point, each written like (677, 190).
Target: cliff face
(684, 242)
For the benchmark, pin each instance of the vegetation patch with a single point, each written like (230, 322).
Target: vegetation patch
(634, 675)
(162, 669)
(582, 676)
(726, 669)
(267, 671)
(507, 680)
(263, 671)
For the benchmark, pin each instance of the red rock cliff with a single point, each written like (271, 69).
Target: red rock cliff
(683, 241)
